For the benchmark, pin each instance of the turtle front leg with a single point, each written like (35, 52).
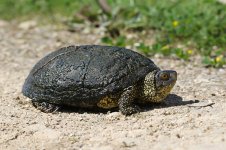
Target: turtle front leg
(45, 107)
(125, 102)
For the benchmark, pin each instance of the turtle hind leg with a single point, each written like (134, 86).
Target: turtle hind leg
(126, 101)
(45, 107)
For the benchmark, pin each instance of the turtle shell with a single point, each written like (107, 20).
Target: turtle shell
(89, 72)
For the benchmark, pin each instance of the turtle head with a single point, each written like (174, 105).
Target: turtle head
(158, 84)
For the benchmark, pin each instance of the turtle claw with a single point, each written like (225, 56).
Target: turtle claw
(130, 110)
(45, 107)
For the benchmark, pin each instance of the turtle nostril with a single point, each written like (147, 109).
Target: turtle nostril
(174, 75)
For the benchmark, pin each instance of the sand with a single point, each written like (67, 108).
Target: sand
(179, 123)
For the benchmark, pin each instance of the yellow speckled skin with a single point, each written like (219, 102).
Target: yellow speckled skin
(108, 102)
(144, 91)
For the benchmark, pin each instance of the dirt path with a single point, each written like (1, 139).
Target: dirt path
(174, 125)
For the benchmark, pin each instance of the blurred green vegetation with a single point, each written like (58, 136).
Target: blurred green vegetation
(24, 9)
(181, 28)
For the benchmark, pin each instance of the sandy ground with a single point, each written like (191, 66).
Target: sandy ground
(173, 125)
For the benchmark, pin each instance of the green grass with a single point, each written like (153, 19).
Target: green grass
(11, 9)
(197, 25)
(181, 27)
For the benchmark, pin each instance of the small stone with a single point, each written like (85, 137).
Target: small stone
(128, 143)
(3, 23)
(27, 25)
(113, 115)
(178, 136)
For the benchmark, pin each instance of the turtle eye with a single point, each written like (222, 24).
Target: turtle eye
(164, 76)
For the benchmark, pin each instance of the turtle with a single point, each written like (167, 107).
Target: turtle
(97, 77)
